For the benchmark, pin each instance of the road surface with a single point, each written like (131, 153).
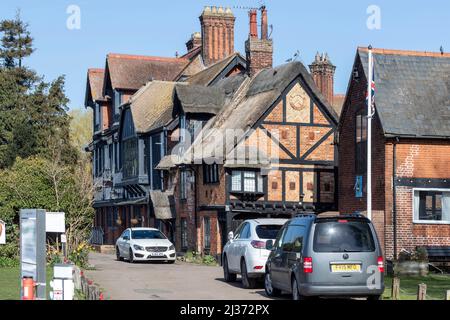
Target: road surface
(160, 281)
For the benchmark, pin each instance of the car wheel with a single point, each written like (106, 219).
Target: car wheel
(268, 286)
(295, 293)
(131, 257)
(229, 277)
(118, 256)
(375, 297)
(249, 283)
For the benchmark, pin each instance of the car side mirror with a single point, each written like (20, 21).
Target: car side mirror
(126, 238)
(230, 236)
(269, 244)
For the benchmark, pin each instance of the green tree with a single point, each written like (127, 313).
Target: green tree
(17, 42)
(33, 113)
(38, 182)
(81, 128)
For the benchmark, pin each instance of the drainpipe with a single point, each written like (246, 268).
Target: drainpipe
(394, 194)
(195, 207)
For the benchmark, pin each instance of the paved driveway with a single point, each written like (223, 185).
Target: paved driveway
(156, 281)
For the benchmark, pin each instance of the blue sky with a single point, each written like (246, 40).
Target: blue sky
(161, 28)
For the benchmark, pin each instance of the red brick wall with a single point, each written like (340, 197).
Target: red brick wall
(211, 194)
(106, 115)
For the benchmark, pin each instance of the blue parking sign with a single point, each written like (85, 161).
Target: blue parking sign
(359, 187)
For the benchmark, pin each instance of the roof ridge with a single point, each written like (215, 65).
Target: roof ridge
(97, 70)
(142, 57)
(406, 52)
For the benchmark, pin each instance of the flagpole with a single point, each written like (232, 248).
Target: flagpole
(369, 135)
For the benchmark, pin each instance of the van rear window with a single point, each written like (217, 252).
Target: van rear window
(268, 231)
(343, 236)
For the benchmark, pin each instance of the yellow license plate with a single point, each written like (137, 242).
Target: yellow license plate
(345, 268)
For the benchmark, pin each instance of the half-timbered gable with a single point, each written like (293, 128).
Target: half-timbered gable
(297, 131)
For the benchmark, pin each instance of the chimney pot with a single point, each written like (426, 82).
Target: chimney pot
(253, 24)
(259, 52)
(264, 25)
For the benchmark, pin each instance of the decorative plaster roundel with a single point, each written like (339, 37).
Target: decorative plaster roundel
(297, 100)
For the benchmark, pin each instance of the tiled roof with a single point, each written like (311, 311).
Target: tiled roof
(207, 76)
(338, 102)
(132, 72)
(152, 105)
(95, 83)
(413, 92)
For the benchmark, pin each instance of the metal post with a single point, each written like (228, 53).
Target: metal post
(369, 136)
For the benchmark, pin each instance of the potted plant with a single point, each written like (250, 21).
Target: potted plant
(412, 263)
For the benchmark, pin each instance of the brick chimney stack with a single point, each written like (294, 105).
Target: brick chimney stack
(194, 42)
(322, 71)
(217, 33)
(259, 51)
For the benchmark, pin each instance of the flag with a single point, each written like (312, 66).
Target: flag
(372, 87)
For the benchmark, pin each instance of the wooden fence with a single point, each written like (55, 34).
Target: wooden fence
(87, 287)
(421, 290)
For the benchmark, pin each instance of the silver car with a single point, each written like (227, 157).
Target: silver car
(329, 256)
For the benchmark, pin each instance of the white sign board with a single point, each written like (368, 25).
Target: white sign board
(63, 238)
(55, 222)
(2, 232)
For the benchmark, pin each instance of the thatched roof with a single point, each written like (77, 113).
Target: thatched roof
(250, 102)
(163, 204)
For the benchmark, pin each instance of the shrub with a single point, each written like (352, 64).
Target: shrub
(209, 260)
(80, 255)
(6, 262)
(420, 254)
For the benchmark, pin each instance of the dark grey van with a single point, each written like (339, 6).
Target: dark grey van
(326, 256)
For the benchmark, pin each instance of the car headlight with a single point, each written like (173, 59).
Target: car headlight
(136, 247)
(172, 247)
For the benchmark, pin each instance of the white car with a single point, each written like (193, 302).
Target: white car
(144, 244)
(245, 252)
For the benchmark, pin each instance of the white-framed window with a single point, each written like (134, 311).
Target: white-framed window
(246, 181)
(431, 206)
(117, 101)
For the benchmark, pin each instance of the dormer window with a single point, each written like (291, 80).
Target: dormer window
(117, 101)
(97, 117)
